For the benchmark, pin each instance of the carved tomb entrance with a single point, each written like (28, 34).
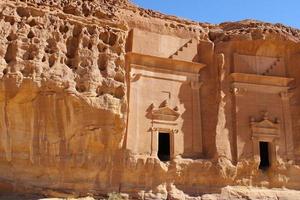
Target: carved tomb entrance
(264, 155)
(164, 119)
(164, 146)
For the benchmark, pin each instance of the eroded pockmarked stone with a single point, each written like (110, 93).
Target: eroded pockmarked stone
(99, 97)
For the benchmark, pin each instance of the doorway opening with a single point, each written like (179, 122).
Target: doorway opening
(163, 146)
(264, 155)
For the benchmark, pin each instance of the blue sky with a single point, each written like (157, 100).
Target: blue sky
(281, 11)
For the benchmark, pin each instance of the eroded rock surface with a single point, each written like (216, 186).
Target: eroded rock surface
(65, 88)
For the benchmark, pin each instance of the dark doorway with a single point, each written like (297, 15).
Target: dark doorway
(164, 146)
(264, 155)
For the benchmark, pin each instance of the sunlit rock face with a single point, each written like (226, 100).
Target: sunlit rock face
(102, 96)
(63, 102)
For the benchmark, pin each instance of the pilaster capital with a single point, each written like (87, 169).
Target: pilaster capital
(135, 76)
(153, 129)
(196, 85)
(238, 91)
(175, 131)
(285, 95)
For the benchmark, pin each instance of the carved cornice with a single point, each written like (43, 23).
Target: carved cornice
(249, 87)
(265, 128)
(178, 66)
(258, 83)
(261, 80)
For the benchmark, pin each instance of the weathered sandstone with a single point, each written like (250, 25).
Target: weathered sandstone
(102, 96)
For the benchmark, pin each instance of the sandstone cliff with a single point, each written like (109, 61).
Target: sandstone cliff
(64, 101)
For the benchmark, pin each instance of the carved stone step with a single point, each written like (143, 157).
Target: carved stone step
(187, 52)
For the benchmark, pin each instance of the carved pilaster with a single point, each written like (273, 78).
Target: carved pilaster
(154, 141)
(197, 121)
(287, 119)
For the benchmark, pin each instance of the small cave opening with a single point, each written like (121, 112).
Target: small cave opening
(264, 156)
(163, 146)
